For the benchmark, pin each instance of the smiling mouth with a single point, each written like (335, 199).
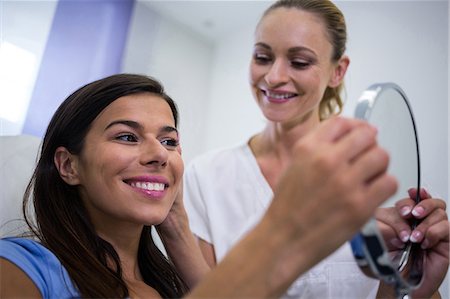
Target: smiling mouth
(280, 96)
(148, 186)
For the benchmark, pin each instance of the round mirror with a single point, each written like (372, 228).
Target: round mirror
(386, 107)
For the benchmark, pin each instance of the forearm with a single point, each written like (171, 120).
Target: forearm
(320, 202)
(259, 266)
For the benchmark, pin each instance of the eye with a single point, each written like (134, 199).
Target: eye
(262, 58)
(170, 142)
(300, 64)
(127, 137)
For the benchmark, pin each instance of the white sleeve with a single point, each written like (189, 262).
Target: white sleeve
(195, 204)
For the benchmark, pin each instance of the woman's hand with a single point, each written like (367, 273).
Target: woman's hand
(176, 222)
(337, 179)
(180, 243)
(334, 184)
(432, 233)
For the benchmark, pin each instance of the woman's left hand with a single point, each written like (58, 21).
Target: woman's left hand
(176, 222)
(180, 244)
(432, 233)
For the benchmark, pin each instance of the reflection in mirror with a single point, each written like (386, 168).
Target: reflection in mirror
(387, 108)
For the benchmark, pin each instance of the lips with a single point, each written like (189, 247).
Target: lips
(278, 96)
(148, 186)
(152, 186)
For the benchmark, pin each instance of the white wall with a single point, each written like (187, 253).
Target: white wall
(181, 60)
(233, 115)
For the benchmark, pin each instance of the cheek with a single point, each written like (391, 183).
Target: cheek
(310, 82)
(177, 166)
(106, 164)
(180, 168)
(114, 162)
(254, 78)
(255, 74)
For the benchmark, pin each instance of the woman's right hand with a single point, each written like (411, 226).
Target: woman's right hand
(336, 181)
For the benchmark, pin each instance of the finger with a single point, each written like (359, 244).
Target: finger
(437, 233)
(379, 189)
(335, 127)
(390, 217)
(390, 236)
(370, 164)
(427, 206)
(423, 194)
(405, 206)
(355, 143)
(422, 228)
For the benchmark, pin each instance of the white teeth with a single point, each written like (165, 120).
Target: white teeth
(279, 96)
(148, 186)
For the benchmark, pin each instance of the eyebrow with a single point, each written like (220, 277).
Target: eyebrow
(137, 126)
(290, 51)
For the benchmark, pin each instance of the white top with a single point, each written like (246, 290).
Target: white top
(226, 194)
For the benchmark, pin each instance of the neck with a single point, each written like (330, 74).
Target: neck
(279, 138)
(126, 244)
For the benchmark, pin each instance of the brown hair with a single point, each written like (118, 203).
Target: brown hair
(334, 20)
(61, 221)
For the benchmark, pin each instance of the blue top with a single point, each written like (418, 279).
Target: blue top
(41, 266)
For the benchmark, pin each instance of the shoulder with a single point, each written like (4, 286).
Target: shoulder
(22, 248)
(39, 264)
(219, 158)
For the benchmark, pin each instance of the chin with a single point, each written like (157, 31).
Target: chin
(150, 219)
(278, 117)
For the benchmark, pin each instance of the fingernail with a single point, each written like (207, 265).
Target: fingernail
(425, 244)
(404, 235)
(415, 236)
(405, 210)
(418, 211)
(397, 243)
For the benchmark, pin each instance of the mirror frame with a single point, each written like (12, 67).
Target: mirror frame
(368, 246)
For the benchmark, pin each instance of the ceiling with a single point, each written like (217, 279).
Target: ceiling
(211, 19)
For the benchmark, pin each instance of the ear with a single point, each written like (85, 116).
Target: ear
(339, 71)
(67, 166)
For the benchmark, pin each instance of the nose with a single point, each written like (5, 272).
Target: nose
(154, 154)
(277, 73)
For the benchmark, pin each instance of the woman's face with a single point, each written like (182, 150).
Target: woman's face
(130, 168)
(291, 65)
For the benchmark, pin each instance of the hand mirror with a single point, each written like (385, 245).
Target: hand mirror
(386, 106)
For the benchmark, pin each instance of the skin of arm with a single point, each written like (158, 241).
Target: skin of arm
(325, 188)
(14, 283)
(385, 290)
(253, 267)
